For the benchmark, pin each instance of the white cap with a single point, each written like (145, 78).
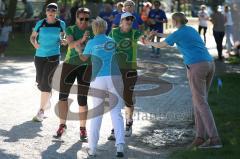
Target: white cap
(52, 6)
(126, 14)
(128, 2)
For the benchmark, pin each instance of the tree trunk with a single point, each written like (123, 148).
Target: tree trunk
(12, 9)
(178, 5)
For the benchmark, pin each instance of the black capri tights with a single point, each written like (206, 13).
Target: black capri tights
(129, 77)
(68, 76)
(45, 68)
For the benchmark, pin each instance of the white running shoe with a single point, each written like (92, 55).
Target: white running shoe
(39, 117)
(91, 153)
(128, 129)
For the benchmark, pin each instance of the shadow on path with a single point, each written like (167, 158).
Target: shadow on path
(26, 130)
(70, 153)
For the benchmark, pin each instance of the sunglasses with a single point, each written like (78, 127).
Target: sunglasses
(129, 18)
(84, 19)
(51, 10)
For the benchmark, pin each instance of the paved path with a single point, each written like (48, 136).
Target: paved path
(162, 122)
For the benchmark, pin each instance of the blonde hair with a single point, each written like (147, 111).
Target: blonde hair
(180, 18)
(99, 26)
(119, 4)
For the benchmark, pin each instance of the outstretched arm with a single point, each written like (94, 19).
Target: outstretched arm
(158, 45)
(78, 48)
(162, 35)
(155, 44)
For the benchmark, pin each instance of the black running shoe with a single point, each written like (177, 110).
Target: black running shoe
(112, 136)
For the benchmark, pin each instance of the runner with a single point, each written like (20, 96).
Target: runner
(103, 48)
(6, 31)
(126, 38)
(46, 40)
(200, 70)
(73, 68)
(156, 19)
(129, 6)
(203, 18)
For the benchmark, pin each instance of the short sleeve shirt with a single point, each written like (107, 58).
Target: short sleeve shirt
(202, 18)
(190, 44)
(72, 56)
(102, 50)
(49, 37)
(126, 47)
(159, 15)
(138, 21)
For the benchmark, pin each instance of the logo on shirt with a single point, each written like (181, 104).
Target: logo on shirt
(110, 45)
(125, 44)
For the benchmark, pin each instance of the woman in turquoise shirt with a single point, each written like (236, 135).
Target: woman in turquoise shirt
(106, 78)
(200, 72)
(45, 38)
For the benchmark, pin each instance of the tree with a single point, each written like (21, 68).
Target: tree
(12, 9)
(215, 3)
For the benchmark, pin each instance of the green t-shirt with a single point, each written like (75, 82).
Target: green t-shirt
(72, 56)
(126, 47)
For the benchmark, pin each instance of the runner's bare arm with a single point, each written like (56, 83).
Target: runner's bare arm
(156, 44)
(33, 39)
(149, 34)
(162, 35)
(79, 49)
(71, 42)
(74, 44)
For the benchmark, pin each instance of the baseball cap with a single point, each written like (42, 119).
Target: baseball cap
(126, 14)
(52, 6)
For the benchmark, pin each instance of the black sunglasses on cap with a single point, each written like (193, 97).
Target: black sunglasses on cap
(130, 18)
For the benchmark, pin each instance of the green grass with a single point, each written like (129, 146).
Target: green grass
(21, 46)
(234, 60)
(225, 106)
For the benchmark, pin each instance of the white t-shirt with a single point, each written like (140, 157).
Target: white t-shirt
(203, 15)
(228, 17)
(5, 30)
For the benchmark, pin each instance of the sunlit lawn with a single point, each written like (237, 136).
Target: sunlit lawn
(225, 105)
